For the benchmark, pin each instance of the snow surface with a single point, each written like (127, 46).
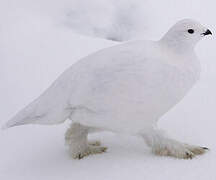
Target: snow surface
(37, 45)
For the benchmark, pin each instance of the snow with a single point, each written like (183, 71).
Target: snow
(37, 45)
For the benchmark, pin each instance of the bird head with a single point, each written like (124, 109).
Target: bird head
(185, 34)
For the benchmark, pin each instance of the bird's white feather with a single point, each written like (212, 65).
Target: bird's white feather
(127, 87)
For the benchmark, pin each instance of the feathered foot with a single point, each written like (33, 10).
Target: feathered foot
(79, 147)
(163, 146)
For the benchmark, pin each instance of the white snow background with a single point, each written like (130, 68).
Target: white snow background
(40, 39)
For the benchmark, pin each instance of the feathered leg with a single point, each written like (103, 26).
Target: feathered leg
(76, 139)
(164, 146)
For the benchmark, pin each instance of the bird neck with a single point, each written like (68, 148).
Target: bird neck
(178, 45)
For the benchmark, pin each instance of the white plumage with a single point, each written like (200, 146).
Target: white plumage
(124, 88)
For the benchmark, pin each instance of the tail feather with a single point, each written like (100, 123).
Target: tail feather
(48, 109)
(27, 116)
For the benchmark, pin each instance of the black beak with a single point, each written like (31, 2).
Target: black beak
(208, 32)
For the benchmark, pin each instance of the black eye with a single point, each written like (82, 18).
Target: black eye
(191, 31)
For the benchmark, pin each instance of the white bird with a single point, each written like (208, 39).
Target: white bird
(125, 89)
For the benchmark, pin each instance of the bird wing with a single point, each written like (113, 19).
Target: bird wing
(53, 106)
